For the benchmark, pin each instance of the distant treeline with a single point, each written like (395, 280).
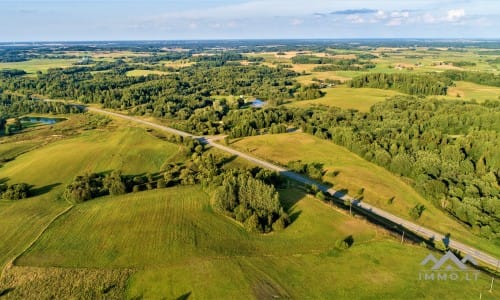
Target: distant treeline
(186, 96)
(413, 84)
(475, 77)
(333, 64)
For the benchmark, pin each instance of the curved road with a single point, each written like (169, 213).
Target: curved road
(417, 229)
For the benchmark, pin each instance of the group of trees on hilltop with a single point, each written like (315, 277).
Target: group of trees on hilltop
(249, 196)
(413, 84)
(250, 201)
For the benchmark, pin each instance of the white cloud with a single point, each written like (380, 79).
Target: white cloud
(395, 22)
(381, 15)
(355, 19)
(428, 18)
(455, 15)
(400, 14)
(297, 22)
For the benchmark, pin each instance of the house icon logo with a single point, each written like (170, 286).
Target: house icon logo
(448, 267)
(448, 262)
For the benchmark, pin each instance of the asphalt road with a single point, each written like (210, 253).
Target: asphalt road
(419, 230)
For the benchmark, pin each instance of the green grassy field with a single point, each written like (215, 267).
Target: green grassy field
(34, 65)
(50, 167)
(145, 72)
(345, 97)
(178, 246)
(130, 149)
(355, 173)
(469, 91)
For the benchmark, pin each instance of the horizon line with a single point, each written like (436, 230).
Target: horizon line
(257, 39)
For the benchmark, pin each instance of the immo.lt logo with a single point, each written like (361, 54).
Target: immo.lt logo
(449, 267)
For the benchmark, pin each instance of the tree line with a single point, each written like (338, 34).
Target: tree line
(413, 84)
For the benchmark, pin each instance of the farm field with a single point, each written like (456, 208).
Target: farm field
(469, 91)
(354, 173)
(51, 167)
(348, 98)
(176, 245)
(98, 151)
(145, 72)
(34, 65)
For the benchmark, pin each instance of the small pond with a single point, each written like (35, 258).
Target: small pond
(257, 103)
(41, 120)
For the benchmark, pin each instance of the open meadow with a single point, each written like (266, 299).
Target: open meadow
(176, 245)
(34, 65)
(348, 98)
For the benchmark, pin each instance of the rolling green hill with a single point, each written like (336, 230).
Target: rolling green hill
(176, 245)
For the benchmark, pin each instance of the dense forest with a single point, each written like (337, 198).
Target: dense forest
(422, 84)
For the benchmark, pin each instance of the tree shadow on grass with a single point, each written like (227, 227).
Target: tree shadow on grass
(341, 193)
(185, 296)
(6, 291)
(295, 215)
(44, 189)
(227, 160)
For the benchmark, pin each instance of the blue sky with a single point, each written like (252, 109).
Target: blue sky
(57, 20)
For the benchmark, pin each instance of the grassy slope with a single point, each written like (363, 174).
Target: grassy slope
(356, 173)
(179, 247)
(128, 149)
(53, 166)
(344, 97)
(469, 91)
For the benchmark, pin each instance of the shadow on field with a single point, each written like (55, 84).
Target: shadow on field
(185, 296)
(44, 189)
(341, 193)
(6, 291)
(229, 159)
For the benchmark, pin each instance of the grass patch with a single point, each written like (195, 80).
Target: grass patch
(469, 91)
(34, 65)
(21, 221)
(59, 283)
(345, 97)
(145, 72)
(130, 149)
